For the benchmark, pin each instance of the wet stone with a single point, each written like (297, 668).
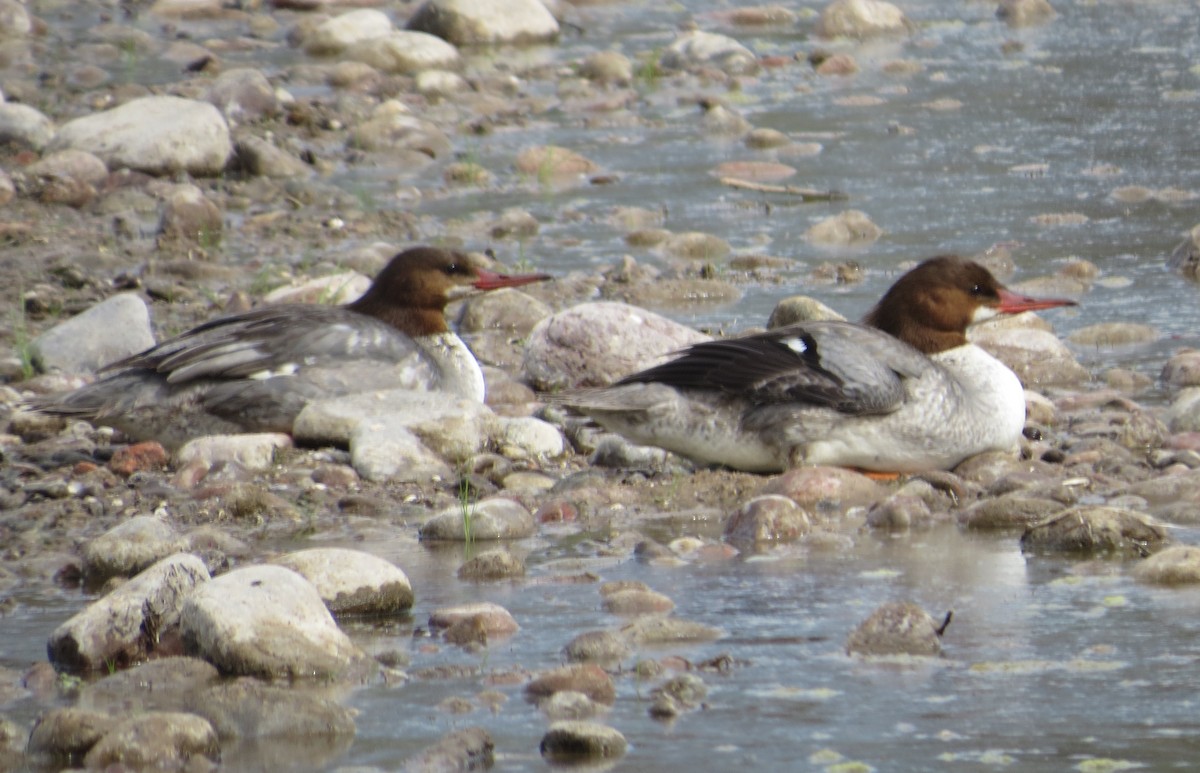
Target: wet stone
(491, 519)
(899, 512)
(637, 601)
(335, 35)
(157, 740)
(568, 704)
(896, 628)
(850, 228)
(826, 490)
(124, 625)
(158, 135)
(25, 125)
(128, 548)
(493, 618)
(861, 19)
(587, 678)
(600, 646)
(1087, 530)
(573, 741)
(768, 518)
(492, 565)
(244, 95)
(405, 52)
(163, 684)
(68, 733)
(352, 582)
(1008, 512)
(463, 750)
(1175, 565)
(668, 630)
(684, 690)
(474, 22)
(1022, 13)
(1183, 368)
(247, 708)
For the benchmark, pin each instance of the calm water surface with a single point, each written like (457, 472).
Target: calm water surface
(1045, 668)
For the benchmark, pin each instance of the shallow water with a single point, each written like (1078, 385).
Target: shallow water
(1044, 668)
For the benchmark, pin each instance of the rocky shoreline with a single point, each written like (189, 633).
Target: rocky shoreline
(134, 211)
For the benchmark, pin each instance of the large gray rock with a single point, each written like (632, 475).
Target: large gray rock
(352, 582)
(246, 708)
(252, 451)
(128, 548)
(1087, 530)
(111, 330)
(25, 125)
(406, 51)
(593, 344)
(386, 449)
(264, 621)
(1035, 355)
(164, 684)
(158, 135)
(123, 626)
(337, 34)
(574, 741)
(861, 19)
(473, 22)
(68, 732)
(399, 434)
(392, 128)
(158, 741)
(896, 628)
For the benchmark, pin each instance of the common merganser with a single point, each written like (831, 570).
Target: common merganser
(904, 392)
(253, 372)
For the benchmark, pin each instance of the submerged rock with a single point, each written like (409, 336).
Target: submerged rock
(586, 678)
(463, 750)
(159, 135)
(246, 708)
(849, 228)
(160, 740)
(768, 518)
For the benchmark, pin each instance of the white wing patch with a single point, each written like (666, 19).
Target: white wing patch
(797, 345)
(287, 369)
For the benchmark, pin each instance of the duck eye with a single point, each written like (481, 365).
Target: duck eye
(452, 268)
(976, 290)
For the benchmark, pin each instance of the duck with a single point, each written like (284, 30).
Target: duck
(255, 371)
(903, 392)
